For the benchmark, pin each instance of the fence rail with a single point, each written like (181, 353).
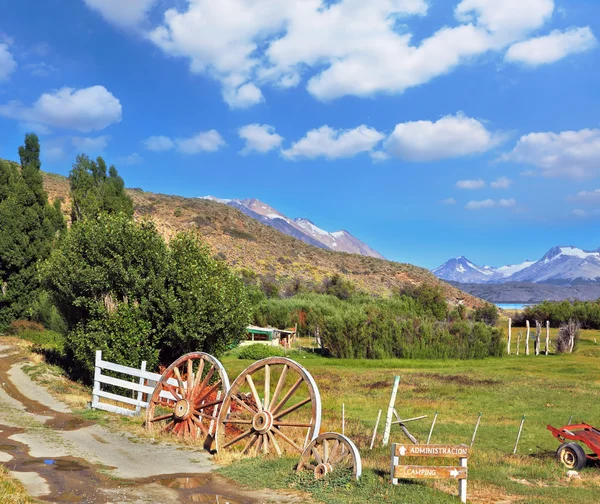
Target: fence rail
(144, 386)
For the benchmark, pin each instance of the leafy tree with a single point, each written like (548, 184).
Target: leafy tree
(93, 191)
(488, 314)
(28, 229)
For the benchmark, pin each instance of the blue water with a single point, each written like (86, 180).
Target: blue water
(512, 306)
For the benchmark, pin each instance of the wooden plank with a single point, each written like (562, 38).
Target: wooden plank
(432, 450)
(390, 412)
(430, 472)
(138, 373)
(117, 382)
(124, 400)
(115, 409)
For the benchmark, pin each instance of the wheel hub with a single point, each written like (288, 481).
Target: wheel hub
(182, 409)
(262, 422)
(323, 470)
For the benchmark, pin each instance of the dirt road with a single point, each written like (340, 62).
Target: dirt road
(60, 458)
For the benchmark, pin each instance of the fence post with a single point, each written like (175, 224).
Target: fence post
(519, 341)
(475, 431)
(509, 334)
(140, 394)
(432, 426)
(538, 331)
(547, 335)
(462, 484)
(97, 374)
(343, 420)
(390, 412)
(527, 339)
(519, 434)
(375, 430)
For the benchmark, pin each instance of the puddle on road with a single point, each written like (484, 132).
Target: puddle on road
(206, 488)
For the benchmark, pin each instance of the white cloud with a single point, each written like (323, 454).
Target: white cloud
(123, 13)
(379, 156)
(448, 201)
(40, 69)
(586, 196)
(573, 154)
(259, 138)
(501, 183)
(449, 137)
(470, 184)
(333, 144)
(582, 214)
(7, 62)
(132, 159)
(490, 203)
(205, 141)
(90, 145)
(158, 143)
(553, 47)
(249, 44)
(85, 110)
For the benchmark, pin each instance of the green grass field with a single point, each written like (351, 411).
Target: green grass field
(547, 389)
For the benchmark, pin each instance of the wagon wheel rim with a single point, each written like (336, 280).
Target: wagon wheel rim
(273, 406)
(187, 398)
(329, 452)
(568, 458)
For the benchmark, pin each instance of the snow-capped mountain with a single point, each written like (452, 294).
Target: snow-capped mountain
(300, 228)
(564, 264)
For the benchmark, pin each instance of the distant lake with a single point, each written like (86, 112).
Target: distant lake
(513, 306)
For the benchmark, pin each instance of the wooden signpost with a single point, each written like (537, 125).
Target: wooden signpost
(459, 472)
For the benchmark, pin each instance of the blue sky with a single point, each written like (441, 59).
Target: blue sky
(427, 128)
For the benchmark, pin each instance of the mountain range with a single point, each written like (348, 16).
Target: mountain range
(563, 265)
(299, 228)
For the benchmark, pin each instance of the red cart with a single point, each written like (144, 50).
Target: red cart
(571, 454)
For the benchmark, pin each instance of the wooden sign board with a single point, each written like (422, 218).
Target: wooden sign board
(445, 451)
(430, 472)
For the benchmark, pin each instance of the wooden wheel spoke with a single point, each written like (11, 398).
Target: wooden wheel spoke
(207, 378)
(208, 405)
(287, 439)
(179, 381)
(317, 455)
(310, 467)
(267, 386)
(199, 424)
(287, 396)
(169, 425)
(325, 451)
(212, 389)
(250, 444)
(279, 386)
(254, 392)
(293, 408)
(265, 445)
(170, 388)
(161, 417)
(198, 374)
(334, 450)
(274, 443)
(238, 438)
(201, 414)
(242, 403)
(236, 421)
(291, 424)
(190, 376)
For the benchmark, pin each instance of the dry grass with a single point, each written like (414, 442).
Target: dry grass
(11, 490)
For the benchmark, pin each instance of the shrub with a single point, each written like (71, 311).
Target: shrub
(45, 340)
(44, 311)
(587, 313)
(568, 337)
(18, 327)
(487, 314)
(258, 352)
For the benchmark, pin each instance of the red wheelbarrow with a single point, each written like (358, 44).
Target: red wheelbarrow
(571, 454)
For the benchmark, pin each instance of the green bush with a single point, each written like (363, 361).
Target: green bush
(45, 340)
(587, 313)
(44, 311)
(258, 352)
(487, 314)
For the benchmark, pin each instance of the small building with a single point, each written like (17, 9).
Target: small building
(269, 336)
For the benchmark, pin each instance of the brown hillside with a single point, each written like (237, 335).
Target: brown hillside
(246, 243)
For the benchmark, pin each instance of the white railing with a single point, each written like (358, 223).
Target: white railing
(144, 386)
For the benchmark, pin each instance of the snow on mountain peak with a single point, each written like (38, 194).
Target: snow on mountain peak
(310, 226)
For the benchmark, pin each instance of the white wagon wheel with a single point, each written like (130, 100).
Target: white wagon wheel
(329, 452)
(257, 418)
(188, 396)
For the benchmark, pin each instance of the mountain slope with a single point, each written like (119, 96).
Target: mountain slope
(460, 269)
(246, 244)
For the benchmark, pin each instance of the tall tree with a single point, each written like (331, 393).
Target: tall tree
(28, 228)
(94, 191)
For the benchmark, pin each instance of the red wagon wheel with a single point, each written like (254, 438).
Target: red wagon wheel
(187, 398)
(329, 452)
(257, 418)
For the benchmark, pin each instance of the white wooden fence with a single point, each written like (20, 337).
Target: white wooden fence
(144, 386)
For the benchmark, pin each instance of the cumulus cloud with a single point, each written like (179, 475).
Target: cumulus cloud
(124, 13)
(205, 141)
(89, 109)
(249, 44)
(41, 69)
(490, 203)
(379, 156)
(501, 183)
(448, 201)
(132, 159)
(90, 145)
(574, 154)
(470, 184)
(587, 196)
(259, 138)
(583, 214)
(449, 137)
(7, 62)
(333, 144)
(553, 47)
(158, 143)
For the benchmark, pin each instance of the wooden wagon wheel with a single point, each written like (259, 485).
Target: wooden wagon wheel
(187, 398)
(257, 418)
(330, 452)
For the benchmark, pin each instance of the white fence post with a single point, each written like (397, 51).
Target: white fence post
(390, 412)
(140, 394)
(97, 375)
(509, 334)
(527, 338)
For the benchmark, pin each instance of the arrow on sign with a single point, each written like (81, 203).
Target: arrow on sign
(454, 473)
(402, 451)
